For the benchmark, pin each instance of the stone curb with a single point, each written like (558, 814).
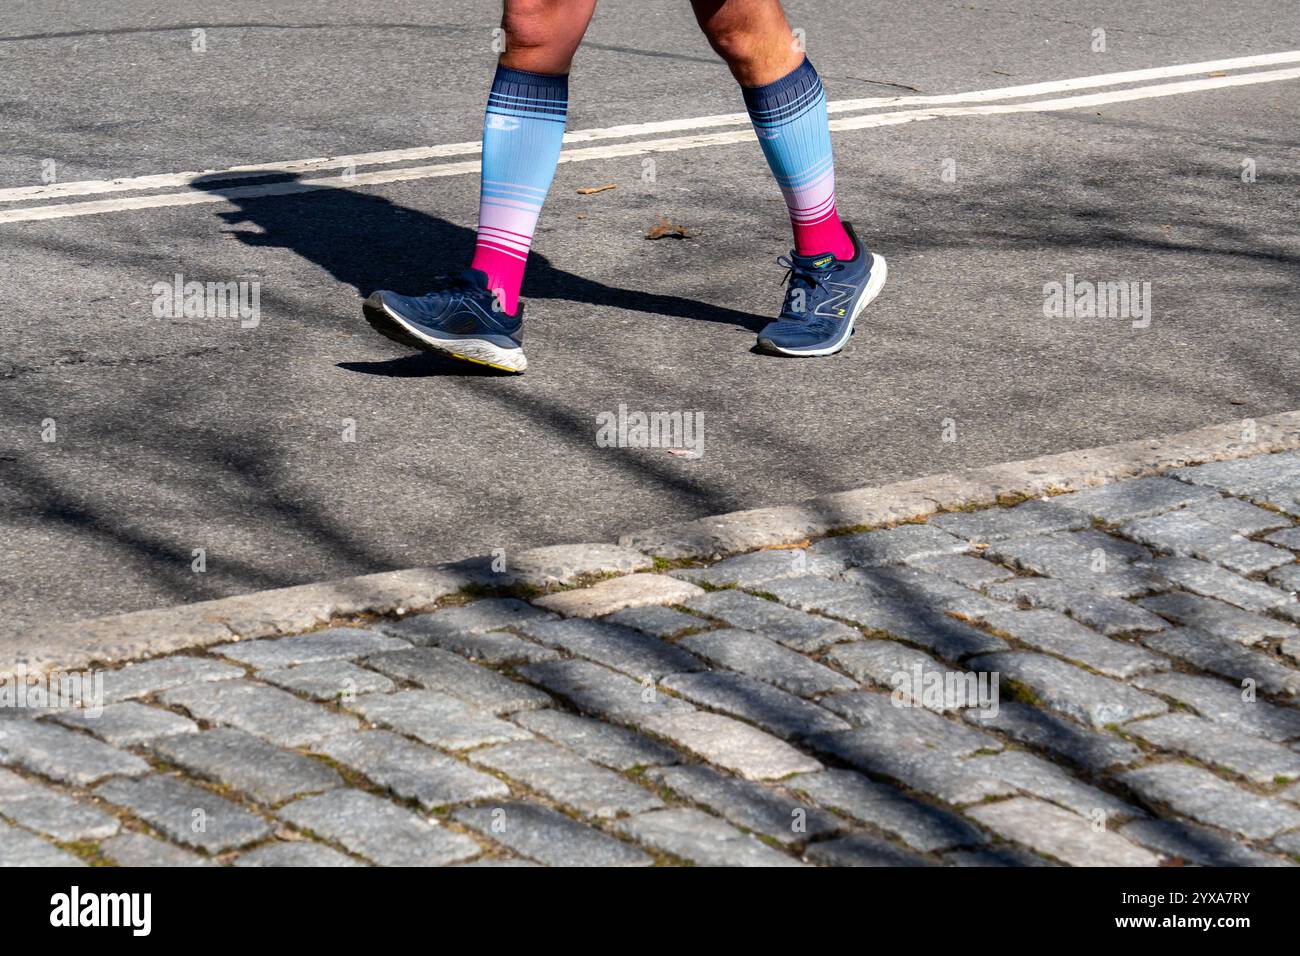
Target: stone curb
(979, 487)
(123, 637)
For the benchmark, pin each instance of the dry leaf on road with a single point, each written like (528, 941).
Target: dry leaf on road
(666, 228)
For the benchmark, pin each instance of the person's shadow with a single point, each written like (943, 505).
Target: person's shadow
(371, 243)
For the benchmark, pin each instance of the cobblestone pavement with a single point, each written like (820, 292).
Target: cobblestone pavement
(1106, 677)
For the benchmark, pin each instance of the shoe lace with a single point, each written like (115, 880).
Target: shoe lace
(808, 284)
(455, 290)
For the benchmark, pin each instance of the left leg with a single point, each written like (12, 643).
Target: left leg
(831, 276)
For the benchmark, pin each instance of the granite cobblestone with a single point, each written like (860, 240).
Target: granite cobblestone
(770, 708)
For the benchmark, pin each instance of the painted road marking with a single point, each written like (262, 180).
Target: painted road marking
(227, 191)
(1079, 83)
(388, 157)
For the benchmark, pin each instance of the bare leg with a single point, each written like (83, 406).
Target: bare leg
(752, 36)
(543, 35)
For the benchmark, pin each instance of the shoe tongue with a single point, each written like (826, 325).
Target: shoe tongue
(812, 263)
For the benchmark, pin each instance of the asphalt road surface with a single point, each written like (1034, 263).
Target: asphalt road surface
(171, 435)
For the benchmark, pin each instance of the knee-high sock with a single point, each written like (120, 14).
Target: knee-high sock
(789, 117)
(522, 133)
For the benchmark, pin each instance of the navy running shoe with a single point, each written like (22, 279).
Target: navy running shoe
(824, 296)
(463, 320)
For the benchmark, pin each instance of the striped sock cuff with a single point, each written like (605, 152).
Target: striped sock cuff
(786, 99)
(535, 95)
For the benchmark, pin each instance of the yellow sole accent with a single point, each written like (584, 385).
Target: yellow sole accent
(473, 361)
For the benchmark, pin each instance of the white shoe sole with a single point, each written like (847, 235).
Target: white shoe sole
(470, 350)
(879, 272)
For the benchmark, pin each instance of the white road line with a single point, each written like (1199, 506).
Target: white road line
(638, 147)
(388, 157)
(1074, 102)
(91, 187)
(1080, 83)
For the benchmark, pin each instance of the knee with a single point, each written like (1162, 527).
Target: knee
(533, 28)
(732, 39)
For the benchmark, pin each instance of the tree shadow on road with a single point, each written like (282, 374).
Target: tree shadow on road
(1110, 224)
(370, 242)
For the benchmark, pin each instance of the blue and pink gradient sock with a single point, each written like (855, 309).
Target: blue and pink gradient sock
(522, 133)
(789, 117)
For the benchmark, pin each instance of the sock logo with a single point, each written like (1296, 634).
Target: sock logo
(505, 124)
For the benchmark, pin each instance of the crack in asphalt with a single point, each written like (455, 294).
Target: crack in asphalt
(78, 359)
(660, 54)
(248, 25)
(1070, 23)
(896, 86)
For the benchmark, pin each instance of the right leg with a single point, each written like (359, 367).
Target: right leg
(522, 134)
